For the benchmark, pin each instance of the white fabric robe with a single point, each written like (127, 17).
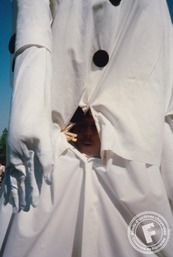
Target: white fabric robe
(91, 212)
(131, 101)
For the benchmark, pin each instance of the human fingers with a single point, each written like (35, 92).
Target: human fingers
(70, 136)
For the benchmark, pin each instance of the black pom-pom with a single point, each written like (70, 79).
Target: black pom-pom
(101, 58)
(115, 2)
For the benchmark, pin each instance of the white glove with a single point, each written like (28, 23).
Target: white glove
(31, 132)
(21, 188)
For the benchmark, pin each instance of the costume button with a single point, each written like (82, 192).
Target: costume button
(101, 58)
(115, 2)
(11, 45)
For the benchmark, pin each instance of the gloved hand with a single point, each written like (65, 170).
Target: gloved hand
(21, 188)
(31, 133)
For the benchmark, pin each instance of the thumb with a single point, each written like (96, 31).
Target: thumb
(32, 180)
(47, 165)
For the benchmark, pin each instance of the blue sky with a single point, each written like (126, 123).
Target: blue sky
(170, 5)
(5, 90)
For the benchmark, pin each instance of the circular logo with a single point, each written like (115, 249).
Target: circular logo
(148, 232)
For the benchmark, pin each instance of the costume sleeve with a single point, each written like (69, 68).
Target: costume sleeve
(32, 76)
(33, 24)
(32, 135)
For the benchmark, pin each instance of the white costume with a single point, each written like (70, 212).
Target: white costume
(114, 57)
